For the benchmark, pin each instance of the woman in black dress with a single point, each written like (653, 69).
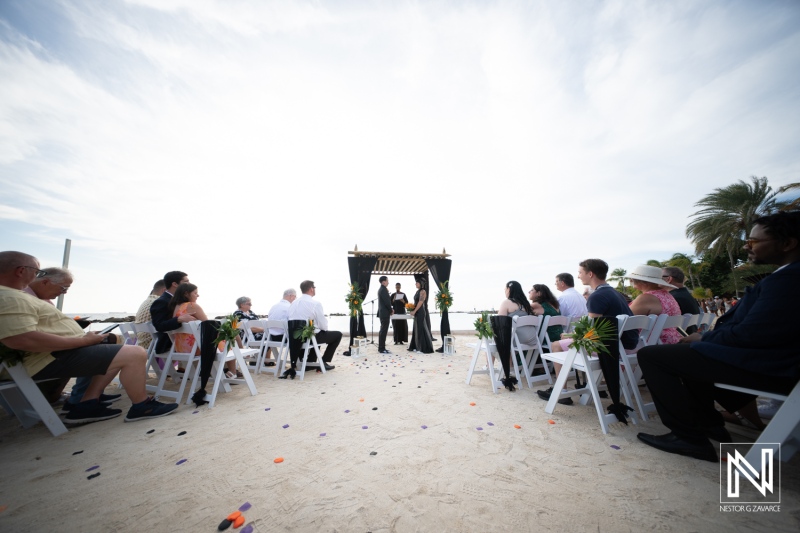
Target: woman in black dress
(421, 339)
(399, 301)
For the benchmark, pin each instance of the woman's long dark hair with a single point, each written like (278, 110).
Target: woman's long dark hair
(181, 296)
(516, 295)
(545, 295)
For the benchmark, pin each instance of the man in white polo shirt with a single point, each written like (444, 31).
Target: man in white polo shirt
(570, 303)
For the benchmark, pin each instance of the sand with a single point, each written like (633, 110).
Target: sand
(382, 443)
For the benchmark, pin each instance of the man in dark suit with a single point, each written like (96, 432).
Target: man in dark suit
(384, 313)
(753, 345)
(162, 319)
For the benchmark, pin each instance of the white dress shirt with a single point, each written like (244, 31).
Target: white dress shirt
(306, 308)
(279, 311)
(572, 303)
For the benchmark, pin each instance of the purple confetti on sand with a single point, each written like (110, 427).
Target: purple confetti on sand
(285, 426)
(479, 428)
(364, 427)
(347, 410)
(268, 408)
(356, 372)
(322, 434)
(181, 462)
(489, 424)
(195, 412)
(424, 427)
(615, 446)
(95, 467)
(248, 528)
(245, 506)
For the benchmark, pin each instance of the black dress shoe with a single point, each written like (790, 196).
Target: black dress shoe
(545, 395)
(384, 351)
(329, 367)
(347, 353)
(719, 434)
(672, 443)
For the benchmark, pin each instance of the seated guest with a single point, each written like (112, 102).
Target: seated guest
(245, 313)
(55, 346)
(570, 303)
(544, 303)
(514, 305)
(305, 308)
(143, 314)
(280, 311)
(654, 300)
(161, 315)
(753, 345)
(687, 303)
(603, 300)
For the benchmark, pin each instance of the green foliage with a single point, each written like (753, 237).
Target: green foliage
(618, 275)
(590, 334)
(444, 298)
(483, 327)
(305, 333)
(354, 299)
(227, 330)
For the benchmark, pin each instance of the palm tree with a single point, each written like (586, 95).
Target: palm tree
(794, 204)
(655, 263)
(685, 263)
(618, 274)
(726, 217)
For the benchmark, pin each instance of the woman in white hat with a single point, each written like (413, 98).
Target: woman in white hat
(655, 299)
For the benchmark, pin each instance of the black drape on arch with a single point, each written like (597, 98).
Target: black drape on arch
(440, 269)
(360, 272)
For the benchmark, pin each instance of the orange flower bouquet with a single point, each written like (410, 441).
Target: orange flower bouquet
(353, 299)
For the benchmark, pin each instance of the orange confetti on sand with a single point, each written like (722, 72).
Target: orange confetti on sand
(278, 460)
(239, 522)
(551, 421)
(361, 400)
(517, 426)
(472, 404)
(234, 515)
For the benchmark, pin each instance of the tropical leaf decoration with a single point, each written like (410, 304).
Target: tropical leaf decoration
(444, 298)
(305, 333)
(227, 330)
(591, 334)
(353, 299)
(483, 327)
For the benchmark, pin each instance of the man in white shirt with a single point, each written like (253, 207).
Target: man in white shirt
(305, 308)
(570, 303)
(280, 311)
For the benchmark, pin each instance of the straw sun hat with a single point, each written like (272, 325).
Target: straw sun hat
(649, 274)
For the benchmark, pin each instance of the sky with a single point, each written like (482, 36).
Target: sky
(253, 144)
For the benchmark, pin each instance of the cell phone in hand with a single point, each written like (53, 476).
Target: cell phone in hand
(109, 329)
(682, 332)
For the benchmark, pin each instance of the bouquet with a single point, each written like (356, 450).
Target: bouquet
(444, 298)
(228, 330)
(306, 333)
(483, 327)
(410, 307)
(591, 334)
(353, 299)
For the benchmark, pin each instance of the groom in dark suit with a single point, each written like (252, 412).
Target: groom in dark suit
(384, 313)
(162, 319)
(753, 345)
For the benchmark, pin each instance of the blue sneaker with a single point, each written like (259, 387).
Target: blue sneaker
(151, 408)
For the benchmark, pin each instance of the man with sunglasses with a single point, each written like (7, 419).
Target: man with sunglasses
(53, 346)
(52, 283)
(753, 345)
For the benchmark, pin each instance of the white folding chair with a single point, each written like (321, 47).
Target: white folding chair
(573, 320)
(189, 358)
(706, 321)
(23, 399)
(267, 347)
(230, 352)
(310, 344)
(527, 354)
(630, 373)
(663, 321)
(782, 431)
(547, 320)
(690, 320)
(580, 360)
(153, 363)
(488, 347)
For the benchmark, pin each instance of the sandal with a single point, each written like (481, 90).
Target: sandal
(230, 375)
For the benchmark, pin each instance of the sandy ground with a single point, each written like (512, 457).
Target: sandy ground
(382, 443)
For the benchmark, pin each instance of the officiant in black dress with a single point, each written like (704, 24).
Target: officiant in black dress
(399, 301)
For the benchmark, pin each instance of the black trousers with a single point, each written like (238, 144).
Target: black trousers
(382, 335)
(332, 339)
(681, 382)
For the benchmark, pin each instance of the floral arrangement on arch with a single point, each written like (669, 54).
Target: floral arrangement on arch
(227, 330)
(305, 333)
(483, 327)
(590, 335)
(353, 299)
(444, 298)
